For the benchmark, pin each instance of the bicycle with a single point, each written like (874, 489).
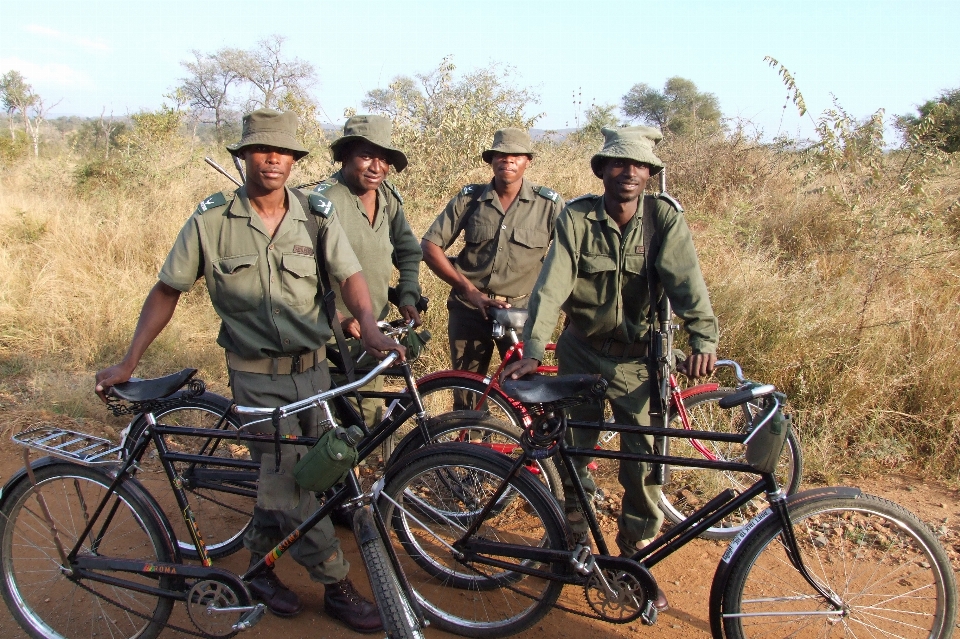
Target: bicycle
(96, 555)
(818, 563)
(693, 408)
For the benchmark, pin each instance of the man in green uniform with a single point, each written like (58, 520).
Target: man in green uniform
(506, 226)
(254, 249)
(595, 272)
(370, 210)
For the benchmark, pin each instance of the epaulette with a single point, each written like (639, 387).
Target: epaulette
(212, 202)
(395, 192)
(320, 205)
(470, 188)
(582, 197)
(550, 194)
(324, 185)
(669, 200)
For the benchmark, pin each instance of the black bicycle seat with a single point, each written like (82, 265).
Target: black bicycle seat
(144, 390)
(508, 317)
(543, 389)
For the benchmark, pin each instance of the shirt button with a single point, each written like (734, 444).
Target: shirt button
(276, 311)
(504, 226)
(500, 248)
(270, 247)
(286, 341)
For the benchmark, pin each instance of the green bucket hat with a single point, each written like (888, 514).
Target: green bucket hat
(270, 128)
(511, 141)
(376, 130)
(633, 143)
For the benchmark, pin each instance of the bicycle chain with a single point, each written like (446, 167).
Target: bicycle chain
(135, 613)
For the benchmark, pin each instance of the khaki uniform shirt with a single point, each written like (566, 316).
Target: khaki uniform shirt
(595, 273)
(503, 250)
(388, 242)
(265, 290)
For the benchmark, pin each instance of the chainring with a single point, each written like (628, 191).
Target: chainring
(203, 600)
(625, 604)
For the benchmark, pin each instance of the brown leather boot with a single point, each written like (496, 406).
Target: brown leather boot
(279, 599)
(342, 601)
(630, 548)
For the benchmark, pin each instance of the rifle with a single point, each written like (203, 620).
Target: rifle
(223, 171)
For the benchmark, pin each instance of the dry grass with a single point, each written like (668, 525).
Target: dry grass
(833, 279)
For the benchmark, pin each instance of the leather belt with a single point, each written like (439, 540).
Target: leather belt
(609, 347)
(277, 365)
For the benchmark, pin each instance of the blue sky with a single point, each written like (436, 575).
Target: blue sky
(870, 54)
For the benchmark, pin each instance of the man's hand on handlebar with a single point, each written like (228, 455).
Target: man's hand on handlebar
(409, 313)
(116, 374)
(518, 369)
(378, 345)
(698, 365)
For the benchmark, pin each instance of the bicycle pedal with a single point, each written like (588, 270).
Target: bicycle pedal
(251, 618)
(649, 614)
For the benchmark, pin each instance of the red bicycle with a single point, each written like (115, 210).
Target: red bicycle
(694, 408)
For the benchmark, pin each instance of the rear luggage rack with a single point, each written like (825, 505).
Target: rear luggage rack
(70, 445)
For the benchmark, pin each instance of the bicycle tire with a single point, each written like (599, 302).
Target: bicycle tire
(481, 428)
(882, 562)
(399, 620)
(452, 478)
(47, 603)
(222, 517)
(690, 488)
(437, 395)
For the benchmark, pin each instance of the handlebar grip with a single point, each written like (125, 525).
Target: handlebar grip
(744, 396)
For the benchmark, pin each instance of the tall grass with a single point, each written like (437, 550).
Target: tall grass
(833, 269)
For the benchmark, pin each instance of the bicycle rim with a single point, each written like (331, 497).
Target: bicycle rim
(883, 564)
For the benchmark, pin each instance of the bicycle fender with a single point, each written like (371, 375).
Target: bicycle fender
(729, 558)
(709, 387)
(363, 525)
(455, 374)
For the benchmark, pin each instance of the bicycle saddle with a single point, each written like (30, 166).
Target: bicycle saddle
(543, 389)
(144, 390)
(508, 317)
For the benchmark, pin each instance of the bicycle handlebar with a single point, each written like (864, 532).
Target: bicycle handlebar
(319, 398)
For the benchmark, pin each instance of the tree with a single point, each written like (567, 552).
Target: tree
(597, 117)
(680, 108)
(206, 90)
(18, 97)
(938, 122)
(269, 74)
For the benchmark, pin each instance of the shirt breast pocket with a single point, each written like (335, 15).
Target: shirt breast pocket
(596, 279)
(479, 233)
(299, 279)
(531, 238)
(237, 283)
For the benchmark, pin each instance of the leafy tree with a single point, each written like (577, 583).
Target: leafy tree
(938, 122)
(17, 97)
(680, 108)
(206, 90)
(267, 72)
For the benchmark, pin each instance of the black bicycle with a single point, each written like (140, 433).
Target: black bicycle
(86, 551)
(824, 562)
(224, 494)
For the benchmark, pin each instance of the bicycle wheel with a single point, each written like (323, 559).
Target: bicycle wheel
(222, 505)
(885, 566)
(477, 427)
(399, 620)
(687, 489)
(42, 598)
(438, 491)
(438, 394)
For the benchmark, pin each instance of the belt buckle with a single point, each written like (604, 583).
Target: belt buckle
(295, 363)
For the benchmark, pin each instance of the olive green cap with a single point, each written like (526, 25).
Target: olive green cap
(510, 141)
(375, 129)
(270, 128)
(632, 143)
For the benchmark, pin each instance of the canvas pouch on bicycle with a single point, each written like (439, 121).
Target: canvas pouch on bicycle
(329, 461)
(415, 342)
(765, 446)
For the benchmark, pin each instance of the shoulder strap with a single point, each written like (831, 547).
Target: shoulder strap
(651, 248)
(328, 296)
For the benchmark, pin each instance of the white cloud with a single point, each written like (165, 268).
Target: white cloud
(86, 43)
(49, 74)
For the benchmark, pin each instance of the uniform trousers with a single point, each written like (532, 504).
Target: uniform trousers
(471, 345)
(629, 398)
(282, 504)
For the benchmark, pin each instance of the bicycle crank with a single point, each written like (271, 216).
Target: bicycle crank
(215, 609)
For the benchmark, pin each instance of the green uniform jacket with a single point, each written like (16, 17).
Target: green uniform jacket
(265, 290)
(387, 243)
(503, 250)
(594, 271)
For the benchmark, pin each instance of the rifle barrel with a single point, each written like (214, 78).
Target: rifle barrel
(222, 171)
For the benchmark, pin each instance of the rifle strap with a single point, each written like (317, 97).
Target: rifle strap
(328, 295)
(651, 248)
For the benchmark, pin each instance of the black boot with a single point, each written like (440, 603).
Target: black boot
(342, 601)
(268, 588)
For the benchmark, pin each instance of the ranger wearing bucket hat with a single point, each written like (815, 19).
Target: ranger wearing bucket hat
(370, 210)
(506, 226)
(255, 250)
(596, 273)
